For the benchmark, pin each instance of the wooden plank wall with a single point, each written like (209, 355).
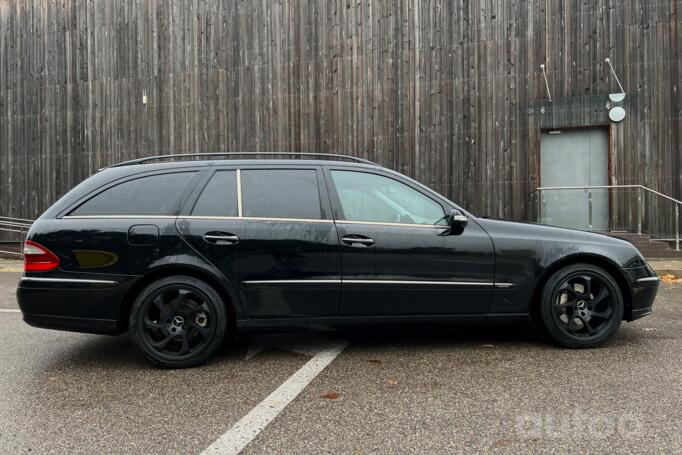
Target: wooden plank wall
(446, 91)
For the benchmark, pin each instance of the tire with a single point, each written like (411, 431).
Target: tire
(178, 322)
(581, 306)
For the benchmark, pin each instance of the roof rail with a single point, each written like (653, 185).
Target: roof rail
(230, 155)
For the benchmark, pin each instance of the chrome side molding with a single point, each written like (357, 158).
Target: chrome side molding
(68, 280)
(398, 282)
(648, 278)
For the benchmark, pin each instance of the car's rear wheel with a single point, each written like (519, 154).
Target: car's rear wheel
(178, 321)
(581, 306)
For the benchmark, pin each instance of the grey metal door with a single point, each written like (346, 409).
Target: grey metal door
(575, 158)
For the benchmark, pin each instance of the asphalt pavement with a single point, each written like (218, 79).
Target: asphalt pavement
(464, 389)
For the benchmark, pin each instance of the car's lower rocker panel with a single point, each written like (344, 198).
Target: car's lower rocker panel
(247, 325)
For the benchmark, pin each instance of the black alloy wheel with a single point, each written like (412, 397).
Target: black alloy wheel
(582, 306)
(178, 321)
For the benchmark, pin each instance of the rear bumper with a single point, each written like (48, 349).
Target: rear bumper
(75, 304)
(84, 325)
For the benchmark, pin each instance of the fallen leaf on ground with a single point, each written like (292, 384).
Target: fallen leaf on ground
(671, 279)
(392, 381)
(331, 396)
(503, 442)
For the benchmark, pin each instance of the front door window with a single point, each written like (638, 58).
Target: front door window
(375, 198)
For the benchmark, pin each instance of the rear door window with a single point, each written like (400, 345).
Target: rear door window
(219, 197)
(151, 195)
(280, 193)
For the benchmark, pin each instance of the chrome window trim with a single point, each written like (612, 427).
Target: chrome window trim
(254, 218)
(68, 280)
(206, 217)
(239, 194)
(295, 220)
(251, 218)
(86, 217)
(380, 223)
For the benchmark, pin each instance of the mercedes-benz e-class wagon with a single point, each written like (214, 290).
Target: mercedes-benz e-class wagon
(185, 251)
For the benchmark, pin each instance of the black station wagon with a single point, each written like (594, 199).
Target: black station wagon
(185, 251)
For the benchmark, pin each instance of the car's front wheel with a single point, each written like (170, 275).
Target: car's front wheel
(582, 306)
(178, 321)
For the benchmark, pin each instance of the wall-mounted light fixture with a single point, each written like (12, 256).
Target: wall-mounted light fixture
(616, 113)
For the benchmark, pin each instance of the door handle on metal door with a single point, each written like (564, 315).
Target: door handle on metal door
(221, 238)
(350, 240)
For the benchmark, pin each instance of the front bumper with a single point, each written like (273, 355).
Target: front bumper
(644, 286)
(643, 297)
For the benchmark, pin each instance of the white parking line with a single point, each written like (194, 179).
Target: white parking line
(10, 310)
(244, 431)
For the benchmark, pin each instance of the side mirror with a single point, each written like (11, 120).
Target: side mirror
(457, 221)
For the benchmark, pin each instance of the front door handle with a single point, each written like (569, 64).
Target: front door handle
(221, 238)
(353, 239)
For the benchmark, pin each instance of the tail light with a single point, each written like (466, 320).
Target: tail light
(37, 258)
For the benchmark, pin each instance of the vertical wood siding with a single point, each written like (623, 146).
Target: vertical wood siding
(446, 91)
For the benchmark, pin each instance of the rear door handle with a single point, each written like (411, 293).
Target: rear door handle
(221, 238)
(352, 239)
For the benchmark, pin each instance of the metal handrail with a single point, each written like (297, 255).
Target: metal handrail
(15, 224)
(603, 187)
(232, 154)
(16, 219)
(20, 226)
(589, 188)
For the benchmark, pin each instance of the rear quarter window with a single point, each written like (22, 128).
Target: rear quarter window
(219, 197)
(150, 195)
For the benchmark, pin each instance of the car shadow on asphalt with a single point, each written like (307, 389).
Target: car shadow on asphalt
(425, 336)
(114, 353)
(453, 334)
(118, 352)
